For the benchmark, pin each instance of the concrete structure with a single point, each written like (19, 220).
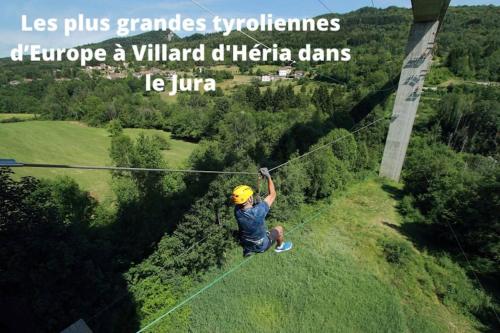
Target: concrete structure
(429, 10)
(266, 78)
(284, 71)
(299, 74)
(78, 327)
(427, 17)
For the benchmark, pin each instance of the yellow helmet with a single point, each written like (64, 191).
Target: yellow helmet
(241, 194)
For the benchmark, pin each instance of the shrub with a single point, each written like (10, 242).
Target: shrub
(290, 185)
(396, 252)
(453, 287)
(115, 127)
(11, 120)
(327, 174)
(344, 146)
(452, 193)
(407, 209)
(162, 142)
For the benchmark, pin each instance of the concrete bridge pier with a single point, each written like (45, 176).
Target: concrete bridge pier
(415, 66)
(427, 16)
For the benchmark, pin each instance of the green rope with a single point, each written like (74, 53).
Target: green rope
(208, 286)
(232, 270)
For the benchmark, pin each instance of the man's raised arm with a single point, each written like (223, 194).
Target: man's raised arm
(270, 186)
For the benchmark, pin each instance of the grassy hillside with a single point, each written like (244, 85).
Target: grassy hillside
(62, 142)
(336, 279)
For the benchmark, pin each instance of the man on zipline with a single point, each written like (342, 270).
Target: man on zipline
(254, 236)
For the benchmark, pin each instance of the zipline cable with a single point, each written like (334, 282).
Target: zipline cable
(226, 273)
(255, 39)
(15, 164)
(327, 144)
(324, 5)
(340, 82)
(187, 300)
(242, 32)
(261, 43)
(470, 265)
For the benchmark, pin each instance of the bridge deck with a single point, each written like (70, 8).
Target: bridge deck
(429, 10)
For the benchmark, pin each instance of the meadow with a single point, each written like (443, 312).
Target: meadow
(336, 279)
(227, 86)
(20, 116)
(230, 68)
(71, 142)
(267, 68)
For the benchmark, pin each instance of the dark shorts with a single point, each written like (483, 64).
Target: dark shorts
(273, 236)
(270, 240)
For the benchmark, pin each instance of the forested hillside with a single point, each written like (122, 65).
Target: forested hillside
(121, 265)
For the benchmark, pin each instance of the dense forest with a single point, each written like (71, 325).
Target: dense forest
(67, 256)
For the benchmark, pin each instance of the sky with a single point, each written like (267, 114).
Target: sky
(11, 12)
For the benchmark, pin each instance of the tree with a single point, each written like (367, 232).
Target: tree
(115, 127)
(458, 191)
(343, 145)
(321, 99)
(327, 174)
(48, 268)
(144, 153)
(252, 94)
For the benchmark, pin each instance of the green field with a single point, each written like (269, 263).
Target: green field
(237, 81)
(267, 68)
(336, 279)
(22, 116)
(230, 68)
(226, 86)
(64, 142)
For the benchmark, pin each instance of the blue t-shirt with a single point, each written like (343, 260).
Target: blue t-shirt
(252, 225)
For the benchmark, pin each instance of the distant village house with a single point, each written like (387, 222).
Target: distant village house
(284, 71)
(266, 78)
